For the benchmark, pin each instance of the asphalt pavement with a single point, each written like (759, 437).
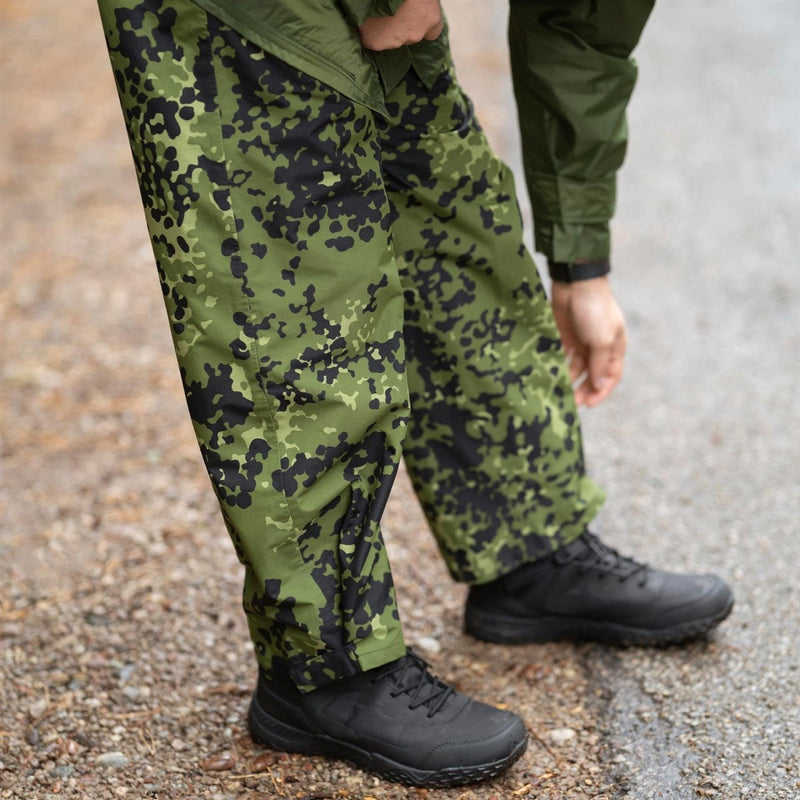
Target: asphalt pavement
(699, 448)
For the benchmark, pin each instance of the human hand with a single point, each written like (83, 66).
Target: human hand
(414, 21)
(592, 329)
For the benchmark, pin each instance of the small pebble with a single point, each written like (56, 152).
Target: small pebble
(562, 735)
(111, 760)
(263, 761)
(220, 762)
(97, 619)
(83, 739)
(38, 708)
(428, 644)
(11, 629)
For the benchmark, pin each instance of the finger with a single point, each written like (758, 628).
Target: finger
(577, 366)
(596, 396)
(435, 32)
(599, 362)
(373, 34)
(575, 356)
(581, 392)
(579, 377)
(605, 372)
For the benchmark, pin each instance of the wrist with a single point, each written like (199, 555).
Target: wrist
(588, 286)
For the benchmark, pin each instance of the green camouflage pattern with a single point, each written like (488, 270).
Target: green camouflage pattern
(344, 289)
(493, 446)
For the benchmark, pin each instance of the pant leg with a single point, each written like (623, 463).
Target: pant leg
(494, 444)
(269, 221)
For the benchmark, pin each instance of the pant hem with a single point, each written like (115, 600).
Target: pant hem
(336, 665)
(566, 534)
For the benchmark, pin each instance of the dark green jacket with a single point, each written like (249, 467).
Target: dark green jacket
(572, 73)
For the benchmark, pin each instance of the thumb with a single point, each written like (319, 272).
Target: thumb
(435, 31)
(599, 367)
(577, 364)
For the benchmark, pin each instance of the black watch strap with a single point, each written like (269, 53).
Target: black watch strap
(570, 271)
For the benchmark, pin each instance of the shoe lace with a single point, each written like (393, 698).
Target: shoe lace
(598, 556)
(410, 676)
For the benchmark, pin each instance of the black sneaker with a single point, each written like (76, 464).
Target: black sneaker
(397, 721)
(587, 591)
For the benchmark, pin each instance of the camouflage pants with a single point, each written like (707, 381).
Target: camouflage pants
(343, 291)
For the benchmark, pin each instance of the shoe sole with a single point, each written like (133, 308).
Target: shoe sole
(507, 629)
(276, 735)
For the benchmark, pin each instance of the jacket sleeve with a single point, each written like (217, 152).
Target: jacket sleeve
(573, 77)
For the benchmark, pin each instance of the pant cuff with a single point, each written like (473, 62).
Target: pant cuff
(537, 545)
(335, 665)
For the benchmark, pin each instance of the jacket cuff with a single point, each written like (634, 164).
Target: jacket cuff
(558, 198)
(572, 271)
(572, 242)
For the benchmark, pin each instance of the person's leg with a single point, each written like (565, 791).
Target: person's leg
(494, 446)
(494, 443)
(267, 214)
(270, 224)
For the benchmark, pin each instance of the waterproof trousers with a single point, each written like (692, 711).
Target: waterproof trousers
(345, 290)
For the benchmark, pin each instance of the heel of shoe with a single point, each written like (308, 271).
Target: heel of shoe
(277, 735)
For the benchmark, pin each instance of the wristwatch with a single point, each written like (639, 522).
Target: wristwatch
(571, 271)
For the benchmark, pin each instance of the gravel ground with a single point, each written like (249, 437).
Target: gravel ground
(124, 658)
